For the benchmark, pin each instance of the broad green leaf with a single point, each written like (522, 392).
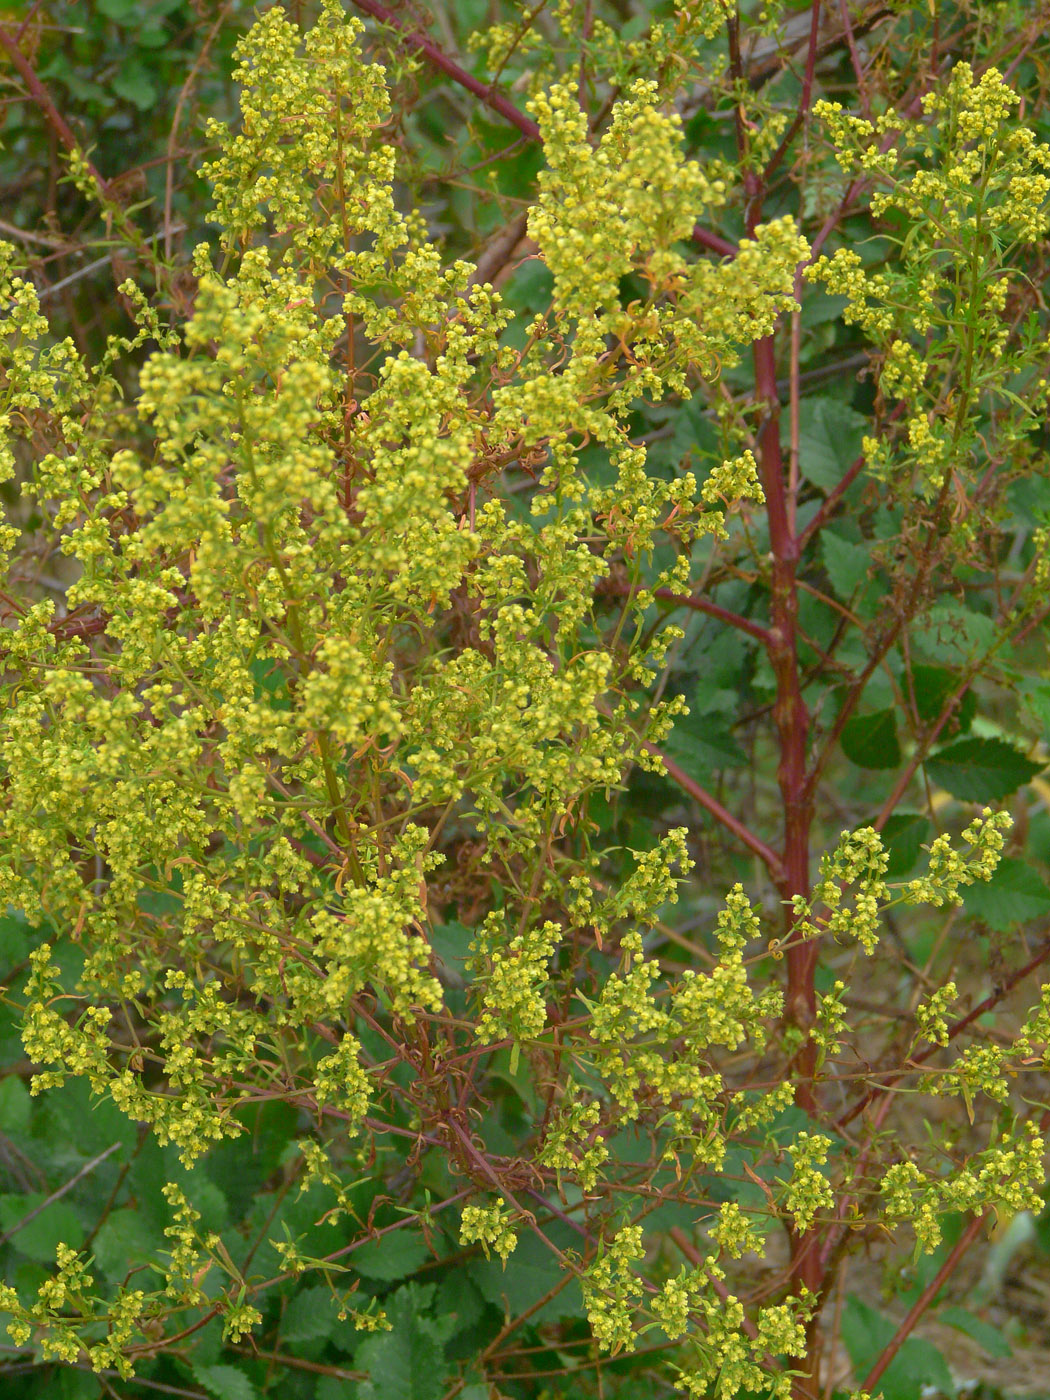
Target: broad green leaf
(702, 743)
(240, 1166)
(124, 1240)
(866, 1333)
(407, 1363)
(870, 741)
(532, 1271)
(981, 770)
(917, 1369)
(451, 946)
(818, 310)
(14, 940)
(135, 86)
(225, 1382)
(903, 836)
(1014, 894)
(1036, 699)
(830, 435)
(310, 1314)
(56, 1224)
(931, 687)
(16, 1106)
(151, 37)
(458, 1298)
(952, 634)
(990, 1339)
(391, 1257)
(847, 564)
(694, 436)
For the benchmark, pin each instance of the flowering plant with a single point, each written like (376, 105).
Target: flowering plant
(430, 645)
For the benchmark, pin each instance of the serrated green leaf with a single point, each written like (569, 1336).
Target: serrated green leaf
(952, 634)
(225, 1382)
(903, 835)
(830, 435)
(846, 564)
(391, 1257)
(703, 744)
(531, 1273)
(459, 1299)
(931, 687)
(38, 1239)
(870, 741)
(1014, 894)
(124, 1239)
(407, 1363)
(1036, 699)
(312, 1313)
(981, 770)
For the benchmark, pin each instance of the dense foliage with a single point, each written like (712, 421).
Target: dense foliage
(525, 693)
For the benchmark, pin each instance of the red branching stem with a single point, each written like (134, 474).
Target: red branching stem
(792, 722)
(804, 97)
(459, 75)
(924, 1299)
(40, 95)
(711, 804)
(854, 54)
(698, 603)
(717, 244)
(789, 711)
(991, 1001)
(831, 500)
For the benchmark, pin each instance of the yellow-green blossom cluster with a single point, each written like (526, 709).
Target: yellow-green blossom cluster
(930, 1014)
(970, 186)
(949, 870)
(612, 1291)
(489, 1226)
(808, 1193)
(725, 1359)
(858, 860)
(1006, 1176)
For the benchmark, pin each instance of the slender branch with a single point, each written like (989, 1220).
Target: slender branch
(922, 751)
(698, 603)
(711, 804)
(804, 97)
(459, 75)
(84, 1171)
(707, 239)
(40, 95)
(992, 1000)
(924, 1299)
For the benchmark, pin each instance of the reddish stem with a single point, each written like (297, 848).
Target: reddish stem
(712, 805)
(40, 95)
(441, 60)
(924, 1300)
(698, 603)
